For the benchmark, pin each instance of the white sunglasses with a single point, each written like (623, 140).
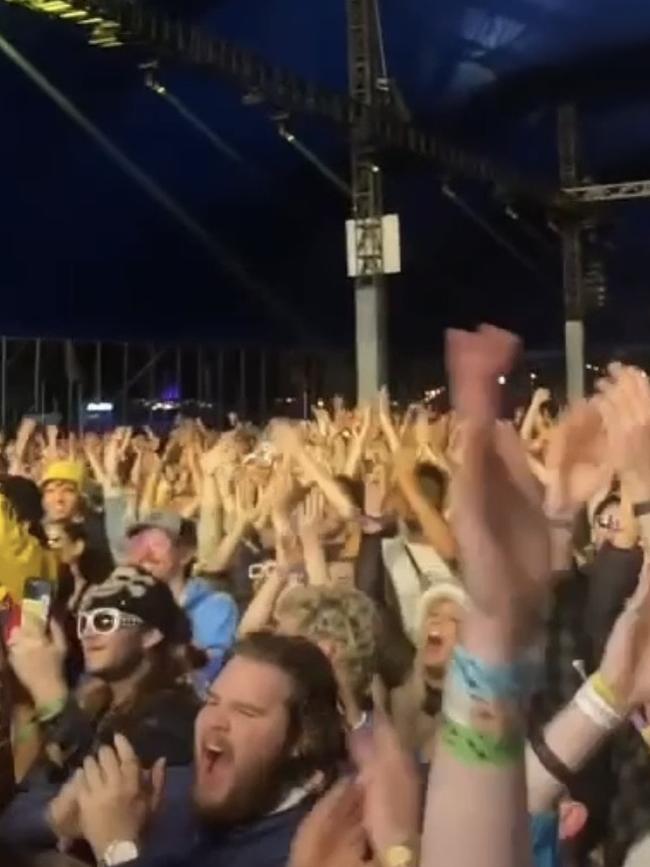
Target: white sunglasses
(105, 621)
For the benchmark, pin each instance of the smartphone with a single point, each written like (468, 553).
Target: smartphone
(37, 599)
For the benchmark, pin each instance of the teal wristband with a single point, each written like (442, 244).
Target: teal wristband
(515, 682)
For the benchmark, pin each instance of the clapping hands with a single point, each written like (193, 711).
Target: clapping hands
(109, 798)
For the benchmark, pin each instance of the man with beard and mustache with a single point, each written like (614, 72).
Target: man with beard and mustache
(267, 741)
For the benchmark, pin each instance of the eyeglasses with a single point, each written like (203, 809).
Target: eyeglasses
(105, 621)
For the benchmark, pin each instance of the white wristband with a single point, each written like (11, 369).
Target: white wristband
(596, 708)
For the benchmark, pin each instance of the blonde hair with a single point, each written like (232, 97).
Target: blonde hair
(347, 617)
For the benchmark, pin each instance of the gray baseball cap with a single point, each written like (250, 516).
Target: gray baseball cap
(168, 522)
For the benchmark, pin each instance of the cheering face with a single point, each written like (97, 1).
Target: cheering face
(440, 633)
(241, 738)
(115, 655)
(153, 551)
(60, 500)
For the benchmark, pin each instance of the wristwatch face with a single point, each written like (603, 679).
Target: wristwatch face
(120, 852)
(400, 856)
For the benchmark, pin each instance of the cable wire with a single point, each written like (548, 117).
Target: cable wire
(380, 42)
(213, 247)
(492, 232)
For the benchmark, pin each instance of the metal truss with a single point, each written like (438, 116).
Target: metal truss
(115, 22)
(610, 192)
(364, 73)
(571, 228)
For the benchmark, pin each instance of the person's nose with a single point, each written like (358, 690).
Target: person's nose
(219, 719)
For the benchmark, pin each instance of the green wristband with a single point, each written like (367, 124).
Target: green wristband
(476, 748)
(47, 712)
(26, 732)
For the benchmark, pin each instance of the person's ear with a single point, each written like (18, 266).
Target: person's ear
(152, 638)
(573, 817)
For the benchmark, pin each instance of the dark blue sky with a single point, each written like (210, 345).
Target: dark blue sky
(85, 252)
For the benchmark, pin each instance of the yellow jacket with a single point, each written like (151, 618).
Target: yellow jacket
(22, 556)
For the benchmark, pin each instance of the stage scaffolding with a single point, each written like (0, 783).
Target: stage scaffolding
(89, 384)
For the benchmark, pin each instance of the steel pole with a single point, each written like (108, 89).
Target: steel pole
(37, 375)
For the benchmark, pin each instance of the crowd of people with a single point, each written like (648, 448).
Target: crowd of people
(380, 636)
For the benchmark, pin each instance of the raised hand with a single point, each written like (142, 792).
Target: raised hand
(391, 787)
(222, 454)
(62, 812)
(323, 421)
(386, 420)
(117, 798)
(152, 440)
(37, 660)
(541, 396)
(51, 452)
(496, 504)
(332, 834)
(625, 665)
(362, 423)
(246, 499)
(25, 433)
(338, 411)
(577, 461)
(624, 405)
(113, 454)
(421, 429)
(475, 361)
(376, 489)
(309, 514)
(286, 438)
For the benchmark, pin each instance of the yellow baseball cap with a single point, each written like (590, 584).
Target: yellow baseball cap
(64, 471)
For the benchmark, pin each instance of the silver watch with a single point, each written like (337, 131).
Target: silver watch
(119, 852)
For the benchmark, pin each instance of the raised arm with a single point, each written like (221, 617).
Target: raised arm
(624, 404)
(259, 613)
(477, 779)
(246, 508)
(288, 443)
(360, 434)
(25, 433)
(310, 517)
(210, 524)
(529, 424)
(599, 708)
(434, 526)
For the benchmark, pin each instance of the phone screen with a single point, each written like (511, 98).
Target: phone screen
(37, 599)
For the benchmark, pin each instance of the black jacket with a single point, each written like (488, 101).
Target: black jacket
(159, 725)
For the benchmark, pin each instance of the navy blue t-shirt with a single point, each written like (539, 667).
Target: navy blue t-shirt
(264, 843)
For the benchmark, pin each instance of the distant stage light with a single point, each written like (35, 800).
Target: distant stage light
(104, 32)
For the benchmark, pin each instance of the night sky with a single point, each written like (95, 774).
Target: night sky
(85, 253)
